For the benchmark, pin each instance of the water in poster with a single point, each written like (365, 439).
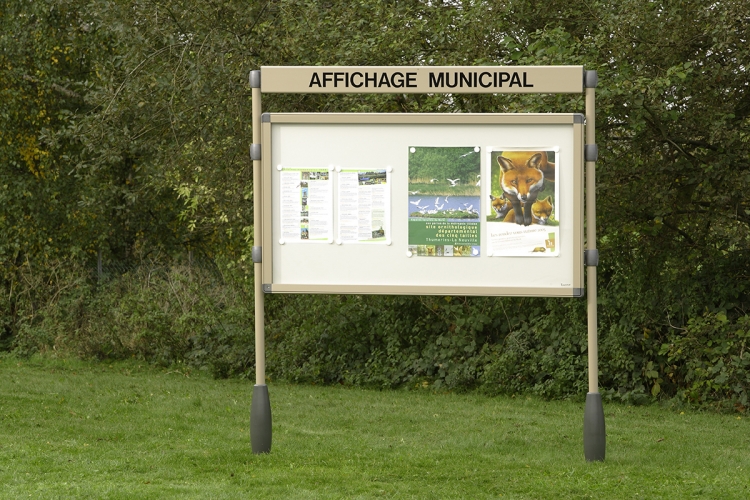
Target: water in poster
(444, 201)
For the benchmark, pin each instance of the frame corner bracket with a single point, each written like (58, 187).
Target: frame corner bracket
(255, 79)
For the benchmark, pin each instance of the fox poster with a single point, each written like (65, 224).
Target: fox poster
(523, 216)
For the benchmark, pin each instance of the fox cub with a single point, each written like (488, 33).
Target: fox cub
(500, 206)
(541, 211)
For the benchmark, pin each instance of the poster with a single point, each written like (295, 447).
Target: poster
(306, 205)
(523, 217)
(364, 206)
(444, 201)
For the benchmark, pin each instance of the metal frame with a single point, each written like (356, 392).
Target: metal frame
(282, 79)
(574, 120)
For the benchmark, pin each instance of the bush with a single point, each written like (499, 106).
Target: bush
(202, 315)
(709, 362)
(155, 312)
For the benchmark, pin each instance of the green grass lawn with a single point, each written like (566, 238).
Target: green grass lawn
(70, 429)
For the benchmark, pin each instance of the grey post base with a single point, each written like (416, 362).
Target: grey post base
(594, 436)
(260, 420)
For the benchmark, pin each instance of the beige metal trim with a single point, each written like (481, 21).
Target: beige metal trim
(267, 237)
(423, 79)
(424, 290)
(425, 118)
(578, 136)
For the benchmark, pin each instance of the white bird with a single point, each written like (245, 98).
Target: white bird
(468, 209)
(433, 181)
(479, 175)
(478, 182)
(437, 200)
(416, 202)
(446, 199)
(439, 207)
(453, 182)
(423, 208)
(467, 154)
(414, 192)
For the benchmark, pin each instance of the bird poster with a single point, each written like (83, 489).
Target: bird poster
(444, 201)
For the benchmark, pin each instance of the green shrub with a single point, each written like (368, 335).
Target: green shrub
(709, 362)
(652, 346)
(163, 314)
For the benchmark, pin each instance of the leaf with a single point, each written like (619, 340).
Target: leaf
(656, 389)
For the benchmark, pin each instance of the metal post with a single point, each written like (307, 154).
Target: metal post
(594, 436)
(260, 410)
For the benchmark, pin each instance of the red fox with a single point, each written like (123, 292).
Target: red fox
(521, 157)
(521, 184)
(541, 211)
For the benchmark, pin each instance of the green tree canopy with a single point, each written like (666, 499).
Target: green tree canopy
(124, 126)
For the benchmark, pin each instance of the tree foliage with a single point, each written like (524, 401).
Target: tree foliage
(436, 164)
(125, 125)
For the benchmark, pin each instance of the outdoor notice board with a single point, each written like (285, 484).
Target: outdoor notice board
(419, 204)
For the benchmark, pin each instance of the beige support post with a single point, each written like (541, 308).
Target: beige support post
(260, 333)
(593, 347)
(260, 409)
(594, 434)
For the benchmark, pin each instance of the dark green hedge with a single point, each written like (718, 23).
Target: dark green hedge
(203, 316)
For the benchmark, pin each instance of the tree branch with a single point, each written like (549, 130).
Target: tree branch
(54, 86)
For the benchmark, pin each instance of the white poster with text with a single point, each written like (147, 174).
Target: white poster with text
(364, 206)
(306, 204)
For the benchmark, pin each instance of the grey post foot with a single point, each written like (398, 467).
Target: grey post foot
(260, 420)
(594, 436)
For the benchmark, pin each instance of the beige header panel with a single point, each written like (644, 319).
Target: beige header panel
(423, 79)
